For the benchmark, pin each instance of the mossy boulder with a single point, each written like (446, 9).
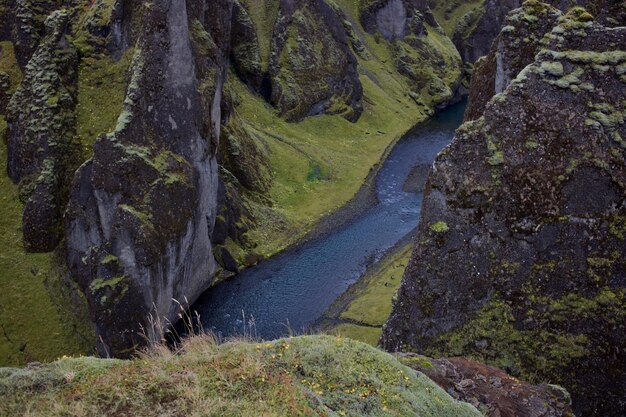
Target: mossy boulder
(530, 275)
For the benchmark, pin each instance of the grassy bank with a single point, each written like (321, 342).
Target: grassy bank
(304, 376)
(362, 310)
(32, 325)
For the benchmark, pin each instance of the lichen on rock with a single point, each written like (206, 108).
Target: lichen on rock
(135, 250)
(42, 150)
(529, 276)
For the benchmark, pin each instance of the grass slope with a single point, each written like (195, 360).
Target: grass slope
(304, 376)
(31, 325)
(361, 312)
(450, 12)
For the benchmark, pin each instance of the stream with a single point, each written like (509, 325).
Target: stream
(290, 291)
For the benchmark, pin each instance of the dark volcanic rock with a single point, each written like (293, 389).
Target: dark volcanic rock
(7, 17)
(514, 49)
(29, 26)
(42, 151)
(520, 257)
(245, 53)
(312, 67)
(142, 209)
(492, 390)
(477, 29)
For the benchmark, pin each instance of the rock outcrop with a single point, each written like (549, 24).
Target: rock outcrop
(422, 53)
(491, 390)
(29, 25)
(42, 151)
(513, 49)
(142, 209)
(520, 251)
(476, 30)
(312, 67)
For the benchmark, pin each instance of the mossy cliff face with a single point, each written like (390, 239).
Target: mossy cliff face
(515, 47)
(42, 149)
(476, 29)
(528, 272)
(416, 38)
(312, 67)
(131, 243)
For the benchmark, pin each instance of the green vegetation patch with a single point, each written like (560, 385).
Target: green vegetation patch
(32, 326)
(362, 310)
(101, 91)
(305, 376)
(544, 349)
(439, 227)
(8, 65)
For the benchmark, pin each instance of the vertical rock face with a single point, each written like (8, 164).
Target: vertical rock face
(245, 52)
(395, 19)
(312, 67)
(42, 152)
(520, 250)
(513, 49)
(477, 29)
(7, 16)
(29, 18)
(142, 210)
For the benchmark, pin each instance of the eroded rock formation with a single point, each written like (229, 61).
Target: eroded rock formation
(42, 151)
(133, 244)
(520, 250)
(312, 67)
(513, 49)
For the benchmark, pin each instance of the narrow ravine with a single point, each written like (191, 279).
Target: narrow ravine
(292, 290)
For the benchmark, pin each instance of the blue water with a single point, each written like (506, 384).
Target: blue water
(292, 290)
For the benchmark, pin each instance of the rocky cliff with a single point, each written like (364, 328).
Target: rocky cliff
(131, 243)
(520, 250)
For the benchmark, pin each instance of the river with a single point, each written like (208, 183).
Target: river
(291, 291)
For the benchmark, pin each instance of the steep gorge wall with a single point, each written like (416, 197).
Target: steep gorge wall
(131, 243)
(520, 250)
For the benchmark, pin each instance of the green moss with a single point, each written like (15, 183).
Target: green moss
(100, 283)
(579, 14)
(541, 351)
(101, 91)
(8, 65)
(617, 226)
(439, 227)
(34, 326)
(304, 376)
(553, 68)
